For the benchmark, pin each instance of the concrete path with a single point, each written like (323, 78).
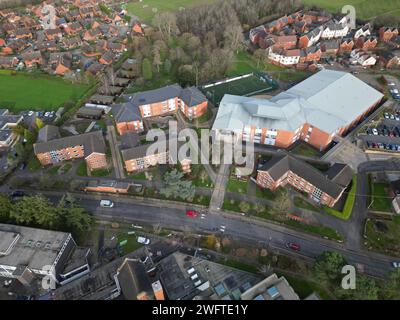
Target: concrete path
(116, 155)
(221, 181)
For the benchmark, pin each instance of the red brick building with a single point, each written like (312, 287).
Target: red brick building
(167, 100)
(323, 188)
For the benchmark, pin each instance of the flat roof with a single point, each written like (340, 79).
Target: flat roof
(35, 248)
(328, 100)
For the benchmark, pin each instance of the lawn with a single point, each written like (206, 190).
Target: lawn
(34, 164)
(301, 203)
(380, 197)
(81, 170)
(306, 150)
(53, 170)
(22, 91)
(348, 205)
(147, 9)
(100, 173)
(200, 177)
(383, 236)
(138, 176)
(245, 63)
(131, 244)
(235, 185)
(365, 9)
(239, 265)
(267, 194)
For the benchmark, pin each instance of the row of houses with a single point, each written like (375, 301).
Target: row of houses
(303, 38)
(80, 36)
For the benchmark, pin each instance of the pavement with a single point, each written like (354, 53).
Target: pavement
(116, 155)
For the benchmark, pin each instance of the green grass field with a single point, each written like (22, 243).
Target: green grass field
(365, 9)
(380, 197)
(147, 9)
(23, 91)
(245, 86)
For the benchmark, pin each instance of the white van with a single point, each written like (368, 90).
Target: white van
(106, 204)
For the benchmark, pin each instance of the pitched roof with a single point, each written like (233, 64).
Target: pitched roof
(48, 133)
(327, 100)
(92, 142)
(281, 164)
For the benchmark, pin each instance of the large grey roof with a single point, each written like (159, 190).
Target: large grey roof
(280, 164)
(29, 249)
(327, 100)
(92, 142)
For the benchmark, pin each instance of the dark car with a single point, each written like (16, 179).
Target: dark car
(17, 194)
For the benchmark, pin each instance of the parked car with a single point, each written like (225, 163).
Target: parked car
(386, 115)
(191, 213)
(106, 203)
(143, 240)
(293, 246)
(17, 194)
(374, 131)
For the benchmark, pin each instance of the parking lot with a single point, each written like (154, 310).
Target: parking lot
(384, 136)
(48, 117)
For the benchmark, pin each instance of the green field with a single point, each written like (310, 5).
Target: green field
(22, 91)
(147, 9)
(380, 197)
(365, 9)
(251, 85)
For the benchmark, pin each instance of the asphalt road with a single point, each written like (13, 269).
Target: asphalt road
(270, 235)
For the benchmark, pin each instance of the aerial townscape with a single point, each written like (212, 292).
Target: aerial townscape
(199, 150)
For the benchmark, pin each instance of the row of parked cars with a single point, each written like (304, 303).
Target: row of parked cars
(383, 146)
(383, 130)
(394, 91)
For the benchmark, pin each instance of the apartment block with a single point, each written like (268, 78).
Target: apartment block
(159, 102)
(323, 188)
(52, 150)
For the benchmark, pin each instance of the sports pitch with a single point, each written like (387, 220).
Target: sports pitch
(254, 84)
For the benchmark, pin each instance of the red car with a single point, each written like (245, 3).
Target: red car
(191, 213)
(293, 246)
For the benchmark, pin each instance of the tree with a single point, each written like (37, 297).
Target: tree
(233, 38)
(186, 75)
(392, 287)
(244, 206)
(157, 59)
(39, 123)
(366, 289)
(147, 73)
(260, 55)
(29, 136)
(175, 187)
(166, 24)
(167, 66)
(328, 267)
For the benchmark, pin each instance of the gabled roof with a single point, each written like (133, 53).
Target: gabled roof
(48, 133)
(279, 165)
(92, 142)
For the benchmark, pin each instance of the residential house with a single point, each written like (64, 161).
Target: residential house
(8, 62)
(7, 123)
(64, 64)
(330, 47)
(387, 34)
(311, 38)
(284, 57)
(346, 45)
(364, 31)
(323, 188)
(71, 43)
(366, 43)
(23, 33)
(53, 34)
(390, 59)
(334, 29)
(90, 146)
(107, 58)
(363, 58)
(31, 59)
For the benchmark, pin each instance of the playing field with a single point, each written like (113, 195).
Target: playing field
(36, 92)
(365, 9)
(253, 84)
(147, 9)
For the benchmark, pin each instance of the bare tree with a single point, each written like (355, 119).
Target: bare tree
(166, 24)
